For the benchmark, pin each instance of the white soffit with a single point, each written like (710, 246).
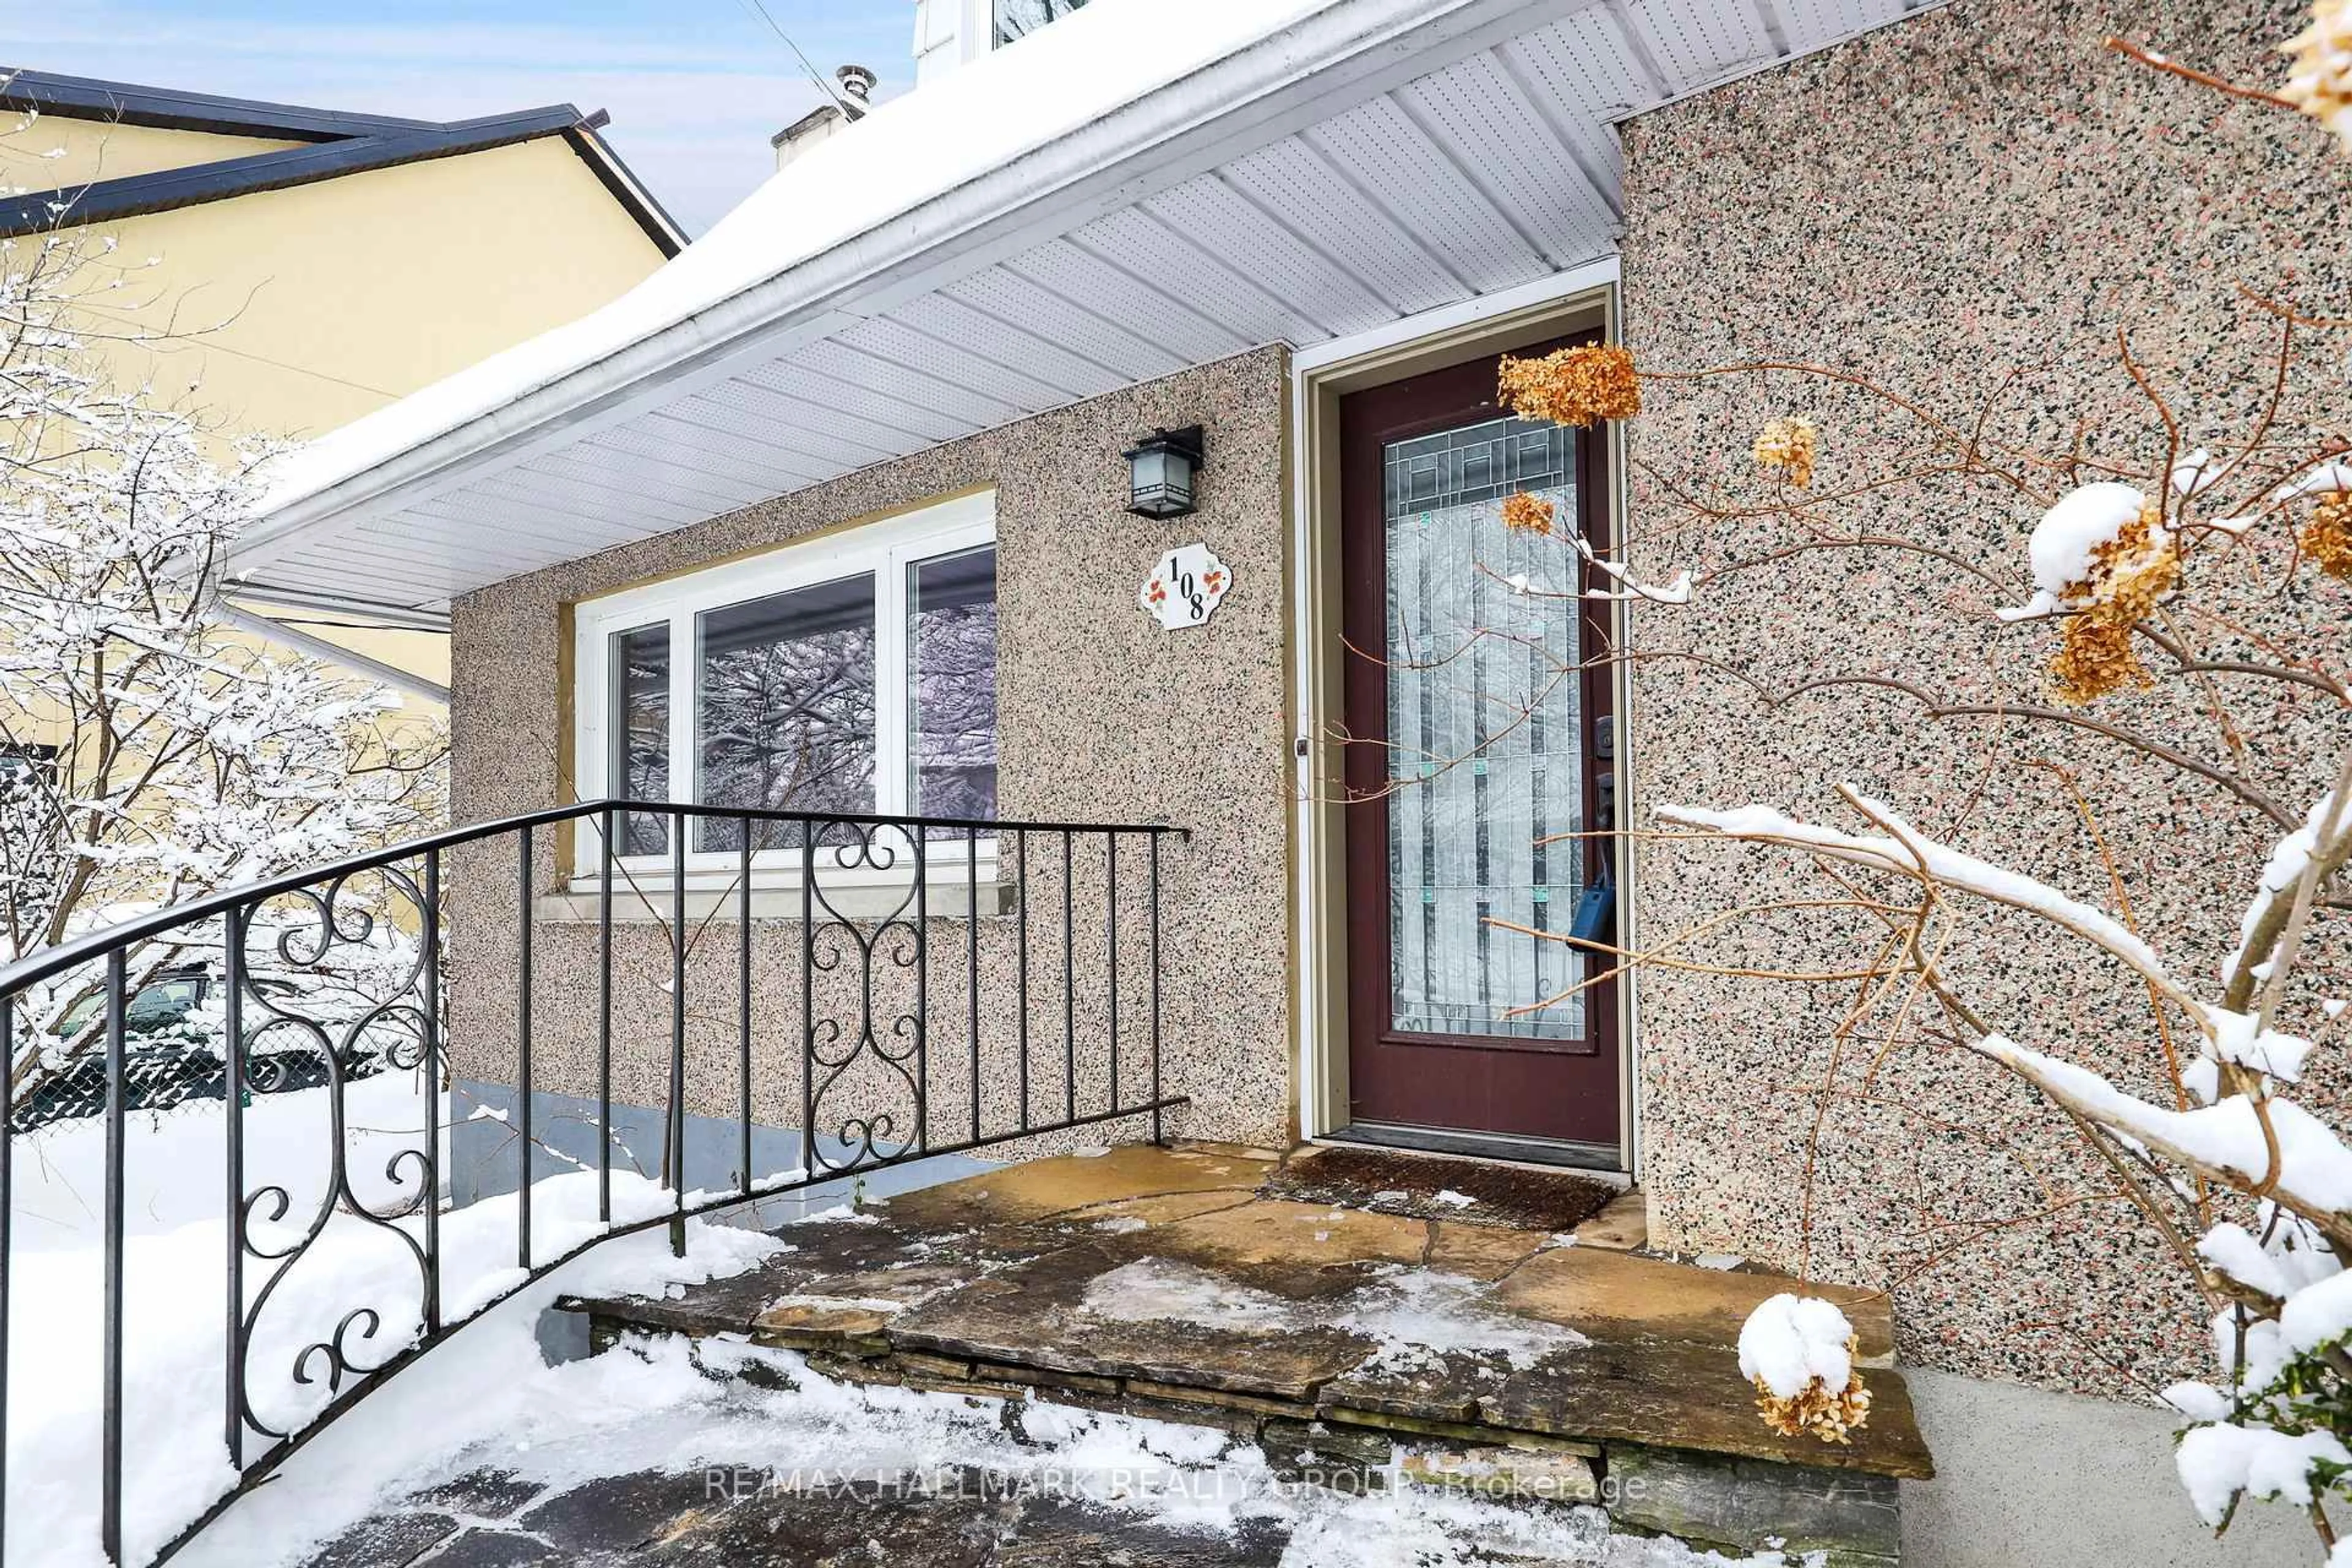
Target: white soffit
(1468, 150)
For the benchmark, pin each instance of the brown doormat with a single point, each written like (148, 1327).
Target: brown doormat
(1427, 1186)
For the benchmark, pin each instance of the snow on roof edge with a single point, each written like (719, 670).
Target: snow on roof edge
(908, 151)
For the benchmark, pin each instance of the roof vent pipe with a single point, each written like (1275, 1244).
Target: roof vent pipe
(856, 88)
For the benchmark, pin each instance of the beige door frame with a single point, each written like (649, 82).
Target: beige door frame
(1581, 297)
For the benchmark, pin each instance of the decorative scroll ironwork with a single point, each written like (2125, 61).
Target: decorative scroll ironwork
(365, 1014)
(330, 978)
(900, 1047)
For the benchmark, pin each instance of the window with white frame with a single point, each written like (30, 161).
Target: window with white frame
(1013, 19)
(856, 673)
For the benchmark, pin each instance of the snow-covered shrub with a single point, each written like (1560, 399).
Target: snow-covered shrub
(149, 752)
(2269, 1181)
(2189, 1111)
(1799, 1351)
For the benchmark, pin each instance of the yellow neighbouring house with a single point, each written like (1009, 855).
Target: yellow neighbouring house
(314, 265)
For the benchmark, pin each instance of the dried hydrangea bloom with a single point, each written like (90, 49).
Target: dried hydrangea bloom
(2132, 571)
(2068, 539)
(1573, 387)
(2327, 537)
(1800, 1352)
(2096, 659)
(1789, 446)
(1530, 513)
(1826, 1414)
(2123, 581)
(2319, 82)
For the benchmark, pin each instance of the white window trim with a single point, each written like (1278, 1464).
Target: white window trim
(885, 549)
(979, 28)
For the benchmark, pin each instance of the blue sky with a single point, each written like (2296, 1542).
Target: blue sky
(695, 87)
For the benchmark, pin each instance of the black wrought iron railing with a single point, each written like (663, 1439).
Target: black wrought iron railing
(895, 990)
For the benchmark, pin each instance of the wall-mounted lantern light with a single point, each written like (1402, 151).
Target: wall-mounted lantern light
(1163, 467)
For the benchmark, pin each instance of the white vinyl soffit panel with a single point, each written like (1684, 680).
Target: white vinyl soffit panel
(1487, 163)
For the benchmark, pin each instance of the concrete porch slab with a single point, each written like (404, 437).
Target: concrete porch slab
(1036, 1314)
(1655, 1393)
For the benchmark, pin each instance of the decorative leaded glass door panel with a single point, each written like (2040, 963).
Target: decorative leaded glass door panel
(1486, 738)
(1475, 711)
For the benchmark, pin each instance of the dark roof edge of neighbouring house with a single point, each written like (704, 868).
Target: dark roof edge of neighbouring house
(341, 144)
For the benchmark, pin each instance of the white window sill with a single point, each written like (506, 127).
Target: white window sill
(646, 900)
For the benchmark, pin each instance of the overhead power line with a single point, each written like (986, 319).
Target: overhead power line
(831, 95)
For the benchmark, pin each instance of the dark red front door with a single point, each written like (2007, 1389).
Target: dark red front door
(1477, 712)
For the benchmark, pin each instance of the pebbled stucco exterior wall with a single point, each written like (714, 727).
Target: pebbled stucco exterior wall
(1966, 207)
(1103, 718)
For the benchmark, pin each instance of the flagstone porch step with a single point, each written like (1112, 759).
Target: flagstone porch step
(1161, 1283)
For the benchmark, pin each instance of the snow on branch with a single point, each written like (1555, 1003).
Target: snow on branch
(2282, 1323)
(1914, 855)
(1629, 587)
(2311, 1171)
(2321, 841)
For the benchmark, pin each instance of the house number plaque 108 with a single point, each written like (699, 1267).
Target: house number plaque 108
(1186, 587)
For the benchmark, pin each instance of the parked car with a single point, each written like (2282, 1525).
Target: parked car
(161, 1006)
(171, 1051)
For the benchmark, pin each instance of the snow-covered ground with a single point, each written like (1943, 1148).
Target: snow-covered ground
(655, 1404)
(490, 1397)
(175, 1458)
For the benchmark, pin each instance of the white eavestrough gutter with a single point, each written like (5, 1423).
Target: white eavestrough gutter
(319, 648)
(1321, 64)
